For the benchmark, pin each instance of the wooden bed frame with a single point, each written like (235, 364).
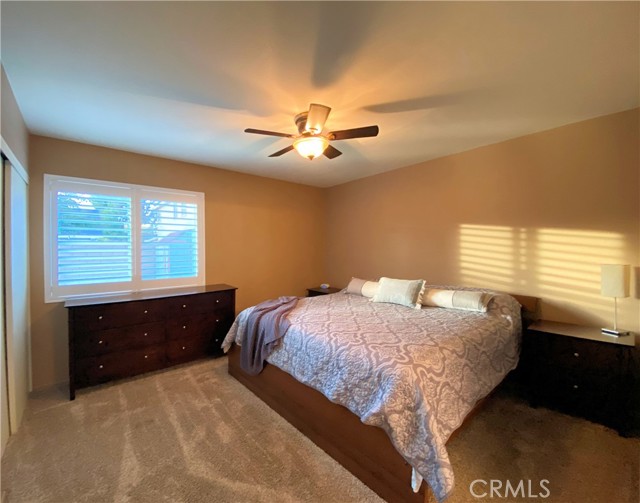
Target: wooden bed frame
(364, 450)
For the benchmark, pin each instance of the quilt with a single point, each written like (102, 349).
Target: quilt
(414, 373)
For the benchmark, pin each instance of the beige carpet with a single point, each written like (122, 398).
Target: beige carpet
(193, 434)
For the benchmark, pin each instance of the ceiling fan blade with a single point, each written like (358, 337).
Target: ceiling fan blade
(268, 133)
(359, 132)
(283, 151)
(331, 152)
(316, 117)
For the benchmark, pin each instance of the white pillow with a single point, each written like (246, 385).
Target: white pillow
(362, 287)
(457, 299)
(370, 288)
(405, 292)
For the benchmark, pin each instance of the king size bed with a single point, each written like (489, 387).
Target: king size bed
(380, 386)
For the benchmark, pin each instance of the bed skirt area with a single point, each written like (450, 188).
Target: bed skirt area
(364, 450)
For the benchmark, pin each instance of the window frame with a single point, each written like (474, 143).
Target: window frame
(55, 183)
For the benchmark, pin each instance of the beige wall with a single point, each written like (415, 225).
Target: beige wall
(533, 215)
(264, 236)
(13, 131)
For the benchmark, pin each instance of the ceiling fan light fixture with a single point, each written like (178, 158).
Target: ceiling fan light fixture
(311, 142)
(310, 147)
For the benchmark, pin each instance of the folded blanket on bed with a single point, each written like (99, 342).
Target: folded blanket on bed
(266, 324)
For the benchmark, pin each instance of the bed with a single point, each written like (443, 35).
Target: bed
(382, 387)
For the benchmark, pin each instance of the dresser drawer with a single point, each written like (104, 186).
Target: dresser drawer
(564, 384)
(585, 356)
(120, 314)
(179, 351)
(98, 369)
(197, 304)
(574, 393)
(119, 339)
(201, 324)
(216, 342)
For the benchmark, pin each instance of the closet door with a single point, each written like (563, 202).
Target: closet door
(4, 427)
(16, 292)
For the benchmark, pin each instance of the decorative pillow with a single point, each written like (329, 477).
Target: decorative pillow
(362, 287)
(405, 292)
(457, 299)
(370, 288)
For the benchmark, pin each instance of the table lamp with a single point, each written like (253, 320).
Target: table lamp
(614, 282)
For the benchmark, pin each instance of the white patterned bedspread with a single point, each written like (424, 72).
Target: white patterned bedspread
(414, 373)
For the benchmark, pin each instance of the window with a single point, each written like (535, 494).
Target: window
(103, 237)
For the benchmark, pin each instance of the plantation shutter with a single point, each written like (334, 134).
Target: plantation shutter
(94, 238)
(103, 237)
(169, 236)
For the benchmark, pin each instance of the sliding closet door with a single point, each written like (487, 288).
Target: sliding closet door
(16, 294)
(4, 427)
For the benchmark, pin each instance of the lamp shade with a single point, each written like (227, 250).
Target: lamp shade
(614, 281)
(310, 147)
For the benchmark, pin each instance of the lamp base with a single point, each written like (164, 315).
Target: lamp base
(615, 333)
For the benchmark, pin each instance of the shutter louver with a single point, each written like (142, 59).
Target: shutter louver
(94, 239)
(169, 239)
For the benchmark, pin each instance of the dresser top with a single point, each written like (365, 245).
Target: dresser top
(581, 332)
(146, 295)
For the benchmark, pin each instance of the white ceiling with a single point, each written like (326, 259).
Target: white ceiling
(182, 80)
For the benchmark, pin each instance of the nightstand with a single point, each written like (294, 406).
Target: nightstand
(316, 290)
(580, 371)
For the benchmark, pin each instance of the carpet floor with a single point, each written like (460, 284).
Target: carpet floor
(193, 434)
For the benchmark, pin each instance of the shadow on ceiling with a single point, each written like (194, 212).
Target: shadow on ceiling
(343, 30)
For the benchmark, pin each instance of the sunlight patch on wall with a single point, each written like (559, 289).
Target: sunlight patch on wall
(562, 266)
(489, 255)
(568, 262)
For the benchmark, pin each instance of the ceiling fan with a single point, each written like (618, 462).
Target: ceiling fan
(311, 142)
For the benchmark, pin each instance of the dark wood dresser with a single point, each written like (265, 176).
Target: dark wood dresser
(116, 336)
(578, 370)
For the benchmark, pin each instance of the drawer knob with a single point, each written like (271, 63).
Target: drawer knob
(101, 366)
(217, 301)
(146, 356)
(576, 355)
(145, 311)
(100, 317)
(183, 306)
(184, 327)
(145, 334)
(217, 321)
(575, 386)
(99, 342)
(183, 347)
